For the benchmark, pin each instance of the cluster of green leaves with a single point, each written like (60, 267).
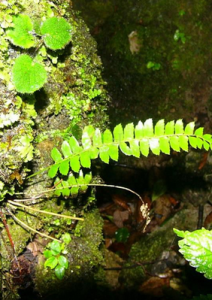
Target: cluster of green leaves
(54, 32)
(131, 140)
(73, 185)
(179, 36)
(196, 247)
(55, 258)
(154, 66)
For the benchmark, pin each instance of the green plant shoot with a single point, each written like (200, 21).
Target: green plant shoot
(55, 260)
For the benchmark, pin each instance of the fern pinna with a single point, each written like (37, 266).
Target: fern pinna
(131, 140)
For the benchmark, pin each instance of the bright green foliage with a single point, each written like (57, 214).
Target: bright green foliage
(28, 76)
(196, 247)
(131, 140)
(73, 185)
(56, 33)
(135, 141)
(55, 259)
(20, 35)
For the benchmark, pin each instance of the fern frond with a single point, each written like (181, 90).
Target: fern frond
(73, 185)
(131, 140)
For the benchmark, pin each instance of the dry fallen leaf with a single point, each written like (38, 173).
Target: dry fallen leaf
(154, 286)
(119, 217)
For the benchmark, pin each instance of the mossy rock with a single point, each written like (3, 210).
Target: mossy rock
(32, 124)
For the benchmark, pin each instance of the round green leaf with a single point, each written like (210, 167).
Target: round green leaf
(28, 76)
(51, 262)
(55, 246)
(20, 34)
(56, 33)
(47, 253)
(59, 272)
(63, 261)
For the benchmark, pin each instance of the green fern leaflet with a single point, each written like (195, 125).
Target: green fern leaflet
(131, 140)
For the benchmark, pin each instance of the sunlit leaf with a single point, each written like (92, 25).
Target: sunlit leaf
(148, 128)
(199, 143)
(72, 181)
(118, 133)
(144, 147)
(154, 146)
(196, 247)
(20, 35)
(94, 152)
(129, 131)
(164, 145)
(169, 128)
(107, 137)
(139, 130)
(66, 149)
(174, 143)
(53, 171)
(28, 76)
(183, 141)
(75, 163)
(66, 190)
(60, 272)
(88, 178)
(74, 145)
(193, 141)
(55, 245)
(159, 128)
(206, 145)
(179, 127)
(207, 137)
(97, 138)
(51, 262)
(114, 152)
(56, 155)
(47, 253)
(63, 261)
(64, 167)
(56, 33)
(134, 146)
(199, 131)
(125, 148)
(86, 140)
(85, 159)
(189, 129)
(104, 154)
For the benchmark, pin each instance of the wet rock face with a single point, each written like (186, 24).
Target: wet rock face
(160, 78)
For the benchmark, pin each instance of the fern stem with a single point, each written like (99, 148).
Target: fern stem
(30, 228)
(45, 212)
